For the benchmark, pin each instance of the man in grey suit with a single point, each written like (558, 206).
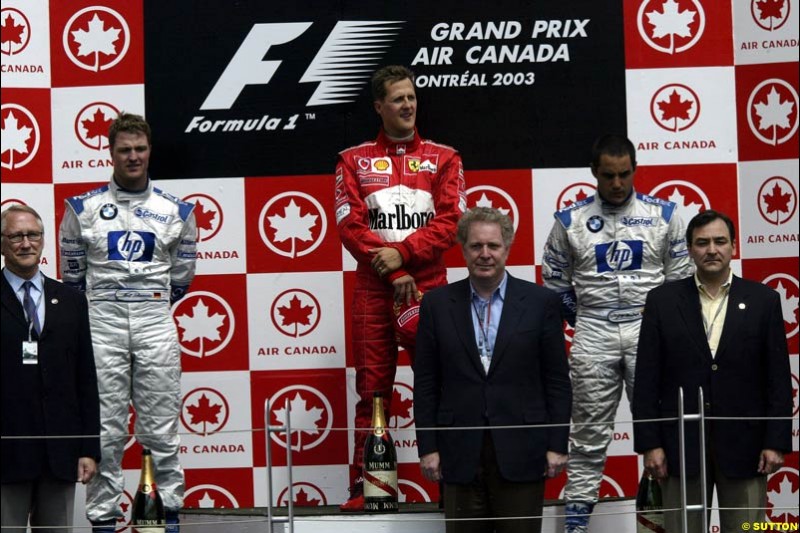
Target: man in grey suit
(490, 352)
(724, 334)
(49, 385)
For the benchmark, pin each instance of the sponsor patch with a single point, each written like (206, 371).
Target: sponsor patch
(619, 255)
(647, 222)
(147, 214)
(374, 180)
(136, 246)
(594, 224)
(411, 165)
(429, 164)
(342, 212)
(108, 211)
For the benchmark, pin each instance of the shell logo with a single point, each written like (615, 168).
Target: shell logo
(381, 164)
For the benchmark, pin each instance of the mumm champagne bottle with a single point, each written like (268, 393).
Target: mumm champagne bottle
(148, 509)
(649, 506)
(380, 464)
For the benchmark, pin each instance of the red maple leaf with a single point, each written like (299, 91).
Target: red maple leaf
(295, 313)
(97, 126)
(578, 197)
(204, 412)
(770, 8)
(675, 107)
(777, 200)
(401, 407)
(124, 506)
(302, 500)
(203, 217)
(11, 32)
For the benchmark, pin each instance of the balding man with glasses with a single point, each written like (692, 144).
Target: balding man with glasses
(49, 385)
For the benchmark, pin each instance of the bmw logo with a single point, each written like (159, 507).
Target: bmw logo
(108, 211)
(594, 224)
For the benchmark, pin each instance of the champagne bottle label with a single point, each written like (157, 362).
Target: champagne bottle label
(380, 484)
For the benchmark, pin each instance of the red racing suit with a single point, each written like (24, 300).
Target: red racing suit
(409, 196)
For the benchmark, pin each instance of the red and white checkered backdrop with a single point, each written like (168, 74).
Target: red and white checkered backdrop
(708, 91)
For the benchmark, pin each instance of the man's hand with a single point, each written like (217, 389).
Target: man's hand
(87, 468)
(770, 461)
(555, 463)
(655, 463)
(431, 467)
(405, 289)
(386, 260)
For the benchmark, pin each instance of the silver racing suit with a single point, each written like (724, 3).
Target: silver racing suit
(133, 253)
(603, 259)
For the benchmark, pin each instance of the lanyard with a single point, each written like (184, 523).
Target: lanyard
(484, 327)
(710, 327)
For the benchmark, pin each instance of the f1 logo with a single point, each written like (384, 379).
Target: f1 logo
(247, 66)
(134, 246)
(618, 255)
(339, 70)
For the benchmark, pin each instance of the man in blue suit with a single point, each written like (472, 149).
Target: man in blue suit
(490, 352)
(724, 334)
(49, 385)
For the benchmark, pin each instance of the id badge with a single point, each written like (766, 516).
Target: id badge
(30, 353)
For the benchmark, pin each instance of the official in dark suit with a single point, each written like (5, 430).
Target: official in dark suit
(725, 334)
(490, 352)
(49, 386)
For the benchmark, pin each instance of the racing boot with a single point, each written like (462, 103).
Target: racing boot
(577, 519)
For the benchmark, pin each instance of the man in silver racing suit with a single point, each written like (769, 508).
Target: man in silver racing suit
(602, 256)
(131, 247)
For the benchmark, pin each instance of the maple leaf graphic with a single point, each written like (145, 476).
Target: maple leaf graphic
(686, 211)
(788, 304)
(13, 137)
(295, 313)
(97, 40)
(204, 217)
(581, 196)
(206, 502)
(401, 408)
(97, 126)
(11, 32)
(292, 225)
(199, 325)
(774, 113)
(675, 108)
(782, 498)
(671, 22)
(777, 200)
(485, 202)
(302, 500)
(124, 506)
(204, 412)
(770, 9)
(302, 417)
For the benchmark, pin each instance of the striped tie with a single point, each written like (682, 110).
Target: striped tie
(30, 307)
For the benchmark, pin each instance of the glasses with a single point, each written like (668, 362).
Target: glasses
(32, 236)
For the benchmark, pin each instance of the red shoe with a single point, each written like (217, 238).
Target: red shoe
(355, 503)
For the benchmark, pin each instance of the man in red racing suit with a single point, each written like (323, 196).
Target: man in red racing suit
(398, 200)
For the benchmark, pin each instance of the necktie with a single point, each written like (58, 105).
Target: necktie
(30, 307)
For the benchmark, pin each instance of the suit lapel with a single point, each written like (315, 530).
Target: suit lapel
(692, 314)
(734, 315)
(461, 313)
(11, 302)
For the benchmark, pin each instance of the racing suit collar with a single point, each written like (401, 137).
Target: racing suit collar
(609, 207)
(393, 147)
(122, 193)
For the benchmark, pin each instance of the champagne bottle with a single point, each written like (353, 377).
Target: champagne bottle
(148, 509)
(649, 506)
(380, 464)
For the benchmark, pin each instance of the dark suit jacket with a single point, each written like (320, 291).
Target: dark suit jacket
(527, 383)
(750, 376)
(56, 397)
